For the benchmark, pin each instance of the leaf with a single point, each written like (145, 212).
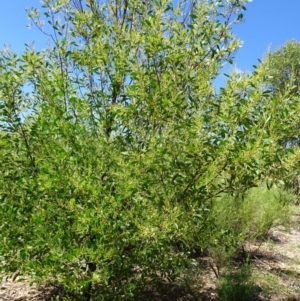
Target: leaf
(147, 22)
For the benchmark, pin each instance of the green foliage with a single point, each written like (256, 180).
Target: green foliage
(237, 285)
(115, 147)
(245, 218)
(284, 68)
(266, 208)
(283, 80)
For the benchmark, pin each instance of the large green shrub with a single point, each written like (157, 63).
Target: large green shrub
(114, 145)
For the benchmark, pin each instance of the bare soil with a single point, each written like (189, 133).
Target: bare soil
(276, 262)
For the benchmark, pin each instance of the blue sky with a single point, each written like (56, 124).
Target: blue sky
(269, 23)
(13, 21)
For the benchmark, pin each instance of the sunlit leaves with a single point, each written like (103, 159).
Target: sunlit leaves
(112, 172)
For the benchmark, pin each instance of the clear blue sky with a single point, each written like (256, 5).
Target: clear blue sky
(13, 21)
(268, 23)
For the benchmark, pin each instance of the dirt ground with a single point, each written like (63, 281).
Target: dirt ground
(276, 263)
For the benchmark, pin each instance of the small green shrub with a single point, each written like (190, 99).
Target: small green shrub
(245, 218)
(237, 285)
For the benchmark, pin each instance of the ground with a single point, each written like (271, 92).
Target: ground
(276, 262)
